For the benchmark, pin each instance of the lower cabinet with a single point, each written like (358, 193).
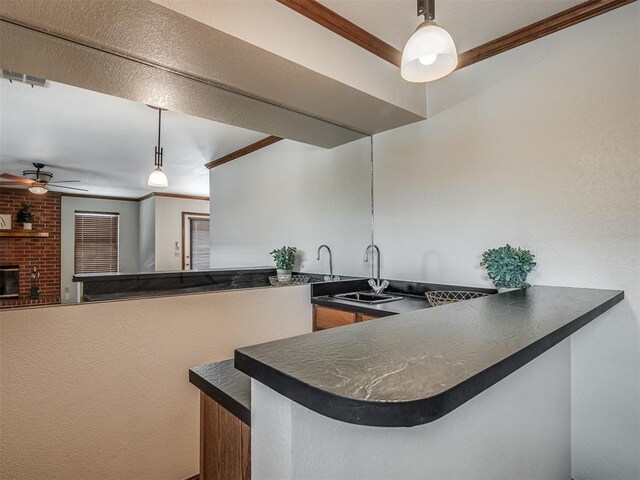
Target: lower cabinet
(225, 443)
(325, 317)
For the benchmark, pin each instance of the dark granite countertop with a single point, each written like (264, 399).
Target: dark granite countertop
(169, 274)
(424, 364)
(101, 297)
(226, 385)
(124, 286)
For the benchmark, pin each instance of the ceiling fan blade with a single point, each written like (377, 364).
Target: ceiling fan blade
(16, 178)
(67, 181)
(70, 188)
(22, 184)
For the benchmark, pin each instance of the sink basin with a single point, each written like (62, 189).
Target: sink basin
(368, 297)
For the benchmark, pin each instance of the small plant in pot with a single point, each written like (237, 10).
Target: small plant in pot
(25, 216)
(284, 258)
(508, 267)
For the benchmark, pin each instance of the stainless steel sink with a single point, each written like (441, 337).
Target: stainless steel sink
(368, 297)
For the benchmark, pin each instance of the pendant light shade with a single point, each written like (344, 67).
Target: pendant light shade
(158, 178)
(430, 53)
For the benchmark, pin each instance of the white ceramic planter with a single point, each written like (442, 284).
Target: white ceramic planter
(283, 275)
(27, 226)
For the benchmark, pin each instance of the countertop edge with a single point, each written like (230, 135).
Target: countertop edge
(220, 396)
(415, 412)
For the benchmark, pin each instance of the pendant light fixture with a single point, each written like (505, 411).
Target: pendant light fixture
(430, 53)
(158, 178)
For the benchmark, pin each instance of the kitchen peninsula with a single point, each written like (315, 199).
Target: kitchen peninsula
(427, 366)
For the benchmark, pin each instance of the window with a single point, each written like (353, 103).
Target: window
(199, 239)
(96, 242)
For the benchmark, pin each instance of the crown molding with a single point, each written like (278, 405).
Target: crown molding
(136, 199)
(547, 26)
(265, 142)
(338, 24)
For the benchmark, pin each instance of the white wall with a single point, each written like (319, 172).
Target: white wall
(518, 429)
(100, 391)
(128, 242)
(537, 147)
(293, 194)
(148, 234)
(168, 229)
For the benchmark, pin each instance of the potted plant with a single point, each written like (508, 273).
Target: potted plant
(284, 258)
(508, 267)
(25, 216)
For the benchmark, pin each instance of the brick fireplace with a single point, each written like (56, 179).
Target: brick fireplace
(28, 252)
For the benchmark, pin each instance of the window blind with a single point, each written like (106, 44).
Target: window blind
(96, 242)
(199, 230)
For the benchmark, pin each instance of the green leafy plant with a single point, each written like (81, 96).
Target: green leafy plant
(25, 215)
(284, 257)
(508, 266)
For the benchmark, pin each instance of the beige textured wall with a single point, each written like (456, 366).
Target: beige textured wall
(100, 391)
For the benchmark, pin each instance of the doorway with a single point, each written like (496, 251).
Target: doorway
(195, 241)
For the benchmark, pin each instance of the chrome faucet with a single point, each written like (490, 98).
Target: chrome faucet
(377, 286)
(329, 278)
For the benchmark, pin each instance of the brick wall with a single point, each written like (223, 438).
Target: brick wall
(42, 253)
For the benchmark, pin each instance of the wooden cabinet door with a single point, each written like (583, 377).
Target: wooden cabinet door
(364, 317)
(324, 317)
(225, 443)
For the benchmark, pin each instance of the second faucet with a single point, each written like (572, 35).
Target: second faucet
(377, 286)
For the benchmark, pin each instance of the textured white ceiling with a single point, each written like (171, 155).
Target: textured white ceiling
(107, 142)
(470, 22)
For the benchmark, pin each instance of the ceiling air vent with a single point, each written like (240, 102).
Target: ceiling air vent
(22, 78)
(38, 82)
(9, 75)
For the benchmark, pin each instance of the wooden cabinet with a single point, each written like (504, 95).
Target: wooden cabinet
(325, 317)
(225, 443)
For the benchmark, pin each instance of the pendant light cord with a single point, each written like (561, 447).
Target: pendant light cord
(158, 161)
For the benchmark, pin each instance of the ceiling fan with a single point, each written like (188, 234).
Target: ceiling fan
(36, 180)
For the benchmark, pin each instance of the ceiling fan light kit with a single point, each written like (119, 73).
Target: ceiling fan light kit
(38, 175)
(157, 178)
(430, 53)
(36, 180)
